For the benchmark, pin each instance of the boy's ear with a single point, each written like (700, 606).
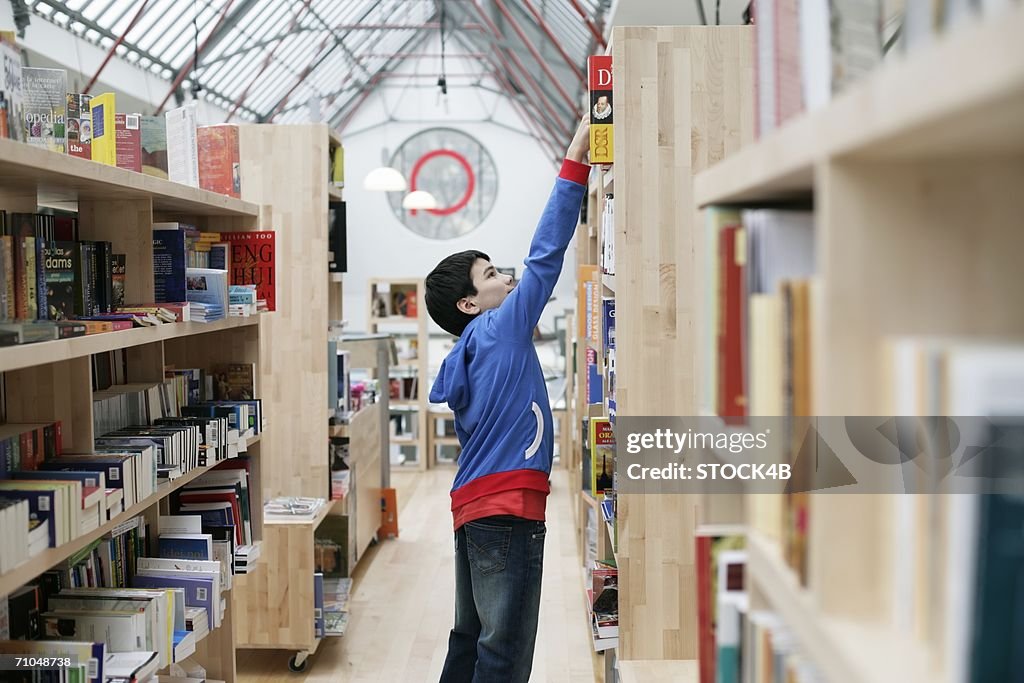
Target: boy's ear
(467, 305)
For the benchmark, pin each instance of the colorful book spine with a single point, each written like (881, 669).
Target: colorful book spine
(104, 129)
(129, 142)
(79, 125)
(599, 84)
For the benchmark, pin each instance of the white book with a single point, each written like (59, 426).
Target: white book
(160, 612)
(122, 632)
(182, 152)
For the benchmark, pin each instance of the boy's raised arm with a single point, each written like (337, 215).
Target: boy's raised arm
(521, 310)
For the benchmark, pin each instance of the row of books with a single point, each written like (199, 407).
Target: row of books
(182, 254)
(93, 663)
(330, 605)
(757, 342)
(809, 50)
(603, 604)
(40, 111)
(73, 495)
(49, 274)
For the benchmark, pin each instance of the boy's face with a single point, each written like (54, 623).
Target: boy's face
(491, 288)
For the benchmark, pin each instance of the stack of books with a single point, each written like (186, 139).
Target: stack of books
(292, 508)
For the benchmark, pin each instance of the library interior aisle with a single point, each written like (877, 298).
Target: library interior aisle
(741, 400)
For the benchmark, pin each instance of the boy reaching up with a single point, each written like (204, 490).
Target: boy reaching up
(493, 382)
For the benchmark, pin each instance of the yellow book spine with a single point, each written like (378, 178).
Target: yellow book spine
(104, 132)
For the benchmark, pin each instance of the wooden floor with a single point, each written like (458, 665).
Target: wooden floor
(403, 601)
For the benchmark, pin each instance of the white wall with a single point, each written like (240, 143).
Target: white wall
(380, 246)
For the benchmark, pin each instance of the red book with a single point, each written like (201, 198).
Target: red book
(732, 401)
(252, 262)
(129, 142)
(219, 169)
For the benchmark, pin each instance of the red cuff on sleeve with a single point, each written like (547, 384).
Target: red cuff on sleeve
(574, 171)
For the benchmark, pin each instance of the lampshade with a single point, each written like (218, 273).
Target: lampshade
(384, 179)
(419, 199)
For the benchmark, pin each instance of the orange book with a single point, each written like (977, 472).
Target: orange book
(219, 169)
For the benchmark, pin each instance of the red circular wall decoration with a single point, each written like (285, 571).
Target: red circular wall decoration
(455, 168)
(470, 180)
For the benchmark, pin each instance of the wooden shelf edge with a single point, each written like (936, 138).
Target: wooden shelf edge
(19, 576)
(837, 646)
(44, 353)
(85, 179)
(659, 671)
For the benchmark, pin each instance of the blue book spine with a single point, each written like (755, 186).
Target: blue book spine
(168, 266)
(318, 605)
(198, 590)
(185, 548)
(609, 323)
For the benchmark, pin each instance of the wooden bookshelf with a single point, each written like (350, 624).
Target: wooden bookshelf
(21, 575)
(415, 328)
(52, 381)
(293, 340)
(46, 353)
(912, 174)
(695, 111)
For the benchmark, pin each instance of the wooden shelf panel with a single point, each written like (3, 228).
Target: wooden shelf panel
(836, 646)
(321, 515)
(19, 576)
(962, 96)
(62, 178)
(659, 671)
(42, 353)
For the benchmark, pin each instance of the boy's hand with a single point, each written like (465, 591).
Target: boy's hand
(580, 145)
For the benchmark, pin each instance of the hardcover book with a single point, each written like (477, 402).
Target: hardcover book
(44, 92)
(104, 129)
(599, 84)
(219, 169)
(129, 142)
(117, 270)
(252, 262)
(154, 145)
(169, 265)
(182, 158)
(60, 258)
(79, 125)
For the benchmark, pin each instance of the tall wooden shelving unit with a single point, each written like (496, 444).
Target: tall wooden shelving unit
(51, 381)
(684, 100)
(285, 169)
(409, 327)
(915, 175)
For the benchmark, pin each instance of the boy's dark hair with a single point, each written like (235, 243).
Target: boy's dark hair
(448, 282)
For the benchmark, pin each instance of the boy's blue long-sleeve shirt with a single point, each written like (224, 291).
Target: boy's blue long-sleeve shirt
(492, 379)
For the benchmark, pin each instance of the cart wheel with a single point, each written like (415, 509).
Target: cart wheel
(298, 662)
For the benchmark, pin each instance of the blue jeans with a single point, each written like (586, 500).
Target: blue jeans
(498, 566)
